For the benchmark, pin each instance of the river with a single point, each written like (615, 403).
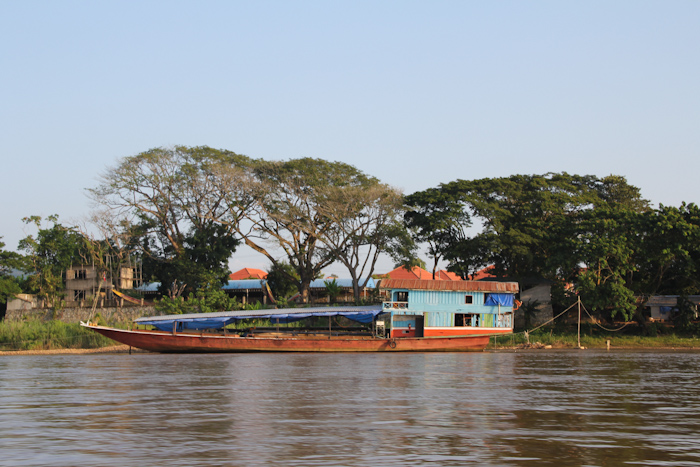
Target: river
(532, 408)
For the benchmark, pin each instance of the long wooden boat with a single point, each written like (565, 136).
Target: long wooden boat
(168, 342)
(420, 316)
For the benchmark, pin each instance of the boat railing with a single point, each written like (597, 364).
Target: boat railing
(395, 305)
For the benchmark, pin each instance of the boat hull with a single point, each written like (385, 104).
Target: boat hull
(159, 341)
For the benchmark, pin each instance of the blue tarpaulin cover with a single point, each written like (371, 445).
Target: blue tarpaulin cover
(495, 299)
(197, 321)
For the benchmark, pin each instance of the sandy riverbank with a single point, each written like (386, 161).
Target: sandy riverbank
(110, 349)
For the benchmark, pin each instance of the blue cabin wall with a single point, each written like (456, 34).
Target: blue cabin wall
(439, 307)
(420, 301)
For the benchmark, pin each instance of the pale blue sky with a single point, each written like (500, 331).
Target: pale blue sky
(415, 93)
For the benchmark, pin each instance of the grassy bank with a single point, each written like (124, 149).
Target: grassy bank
(40, 335)
(631, 337)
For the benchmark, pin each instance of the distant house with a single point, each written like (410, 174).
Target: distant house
(247, 290)
(418, 273)
(248, 273)
(663, 306)
(319, 293)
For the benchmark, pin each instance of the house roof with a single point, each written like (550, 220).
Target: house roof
(248, 273)
(418, 273)
(244, 284)
(443, 275)
(669, 300)
(485, 273)
(344, 283)
(450, 286)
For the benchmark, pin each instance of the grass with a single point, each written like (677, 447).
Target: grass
(47, 335)
(634, 336)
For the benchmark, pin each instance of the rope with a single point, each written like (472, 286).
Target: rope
(601, 326)
(545, 323)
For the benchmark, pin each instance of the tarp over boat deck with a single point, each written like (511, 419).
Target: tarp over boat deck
(196, 321)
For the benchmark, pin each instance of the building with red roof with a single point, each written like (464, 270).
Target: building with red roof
(248, 273)
(418, 273)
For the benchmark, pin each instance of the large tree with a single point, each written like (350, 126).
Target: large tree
(668, 253)
(439, 219)
(285, 215)
(365, 221)
(184, 203)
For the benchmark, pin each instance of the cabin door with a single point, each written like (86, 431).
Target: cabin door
(420, 324)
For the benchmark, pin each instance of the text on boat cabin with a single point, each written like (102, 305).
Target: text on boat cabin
(426, 308)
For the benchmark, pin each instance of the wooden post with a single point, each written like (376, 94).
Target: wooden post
(329, 327)
(579, 321)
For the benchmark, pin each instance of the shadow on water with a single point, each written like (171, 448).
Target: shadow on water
(532, 408)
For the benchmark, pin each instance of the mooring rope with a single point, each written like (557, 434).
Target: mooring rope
(600, 325)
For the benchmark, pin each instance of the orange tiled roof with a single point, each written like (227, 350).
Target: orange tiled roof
(248, 273)
(485, 273)
(418, 273)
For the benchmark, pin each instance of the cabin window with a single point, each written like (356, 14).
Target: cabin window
(468, 299)
(81, 274)
(79, 295)
(466, 319)
(401, 296)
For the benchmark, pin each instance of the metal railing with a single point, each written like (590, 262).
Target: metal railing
(395, 305)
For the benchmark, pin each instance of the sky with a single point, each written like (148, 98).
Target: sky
(414, 93)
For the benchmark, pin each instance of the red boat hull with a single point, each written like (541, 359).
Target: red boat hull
(159, 341)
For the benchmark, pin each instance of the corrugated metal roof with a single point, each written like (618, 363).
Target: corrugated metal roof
(244, 284)
(669, 300)
(452, 286)
(345, 283)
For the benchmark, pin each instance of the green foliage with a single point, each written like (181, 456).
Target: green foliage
(205, 253)
(9, 285)
(208, 298)
(437, 218)
(332, 289)
(686, 311)
(283, 280)
(49, 254)
(36, 335)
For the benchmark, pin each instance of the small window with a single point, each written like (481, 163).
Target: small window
(401, 296)
(81, 274)
(79, 295)
(468, 299)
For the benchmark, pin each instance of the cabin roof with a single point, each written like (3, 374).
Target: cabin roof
(450, 286)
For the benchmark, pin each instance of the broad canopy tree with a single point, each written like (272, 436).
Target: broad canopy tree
(319, 212)
(184, 203)
(556, 226)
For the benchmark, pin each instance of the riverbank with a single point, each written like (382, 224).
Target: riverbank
(47, 337)
(99, 350)
(563, 338)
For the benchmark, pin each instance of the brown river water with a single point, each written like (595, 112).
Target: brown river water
(563, 408)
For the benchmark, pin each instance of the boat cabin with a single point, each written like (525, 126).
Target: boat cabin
(426, 308)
